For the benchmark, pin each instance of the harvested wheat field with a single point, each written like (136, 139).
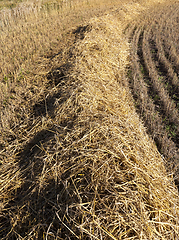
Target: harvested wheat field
(89, 120)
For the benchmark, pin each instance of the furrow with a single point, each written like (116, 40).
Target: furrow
(169, 78)
(167, 105)
(145, 105)
(166, 64)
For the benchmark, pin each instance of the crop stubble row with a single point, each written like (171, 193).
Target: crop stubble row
(153, 79)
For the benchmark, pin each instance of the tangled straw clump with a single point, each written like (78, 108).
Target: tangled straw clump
(117, 184)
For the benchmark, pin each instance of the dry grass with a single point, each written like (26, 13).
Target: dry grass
(76, 161)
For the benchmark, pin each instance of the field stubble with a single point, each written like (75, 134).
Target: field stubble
(154, 80)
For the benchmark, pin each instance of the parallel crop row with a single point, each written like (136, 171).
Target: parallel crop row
(153, 79)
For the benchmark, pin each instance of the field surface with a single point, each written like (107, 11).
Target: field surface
(153, 77)
(89, 120)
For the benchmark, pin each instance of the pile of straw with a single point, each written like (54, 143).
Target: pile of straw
(114, 178)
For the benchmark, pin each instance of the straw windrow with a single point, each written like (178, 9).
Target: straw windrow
(125, 172)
